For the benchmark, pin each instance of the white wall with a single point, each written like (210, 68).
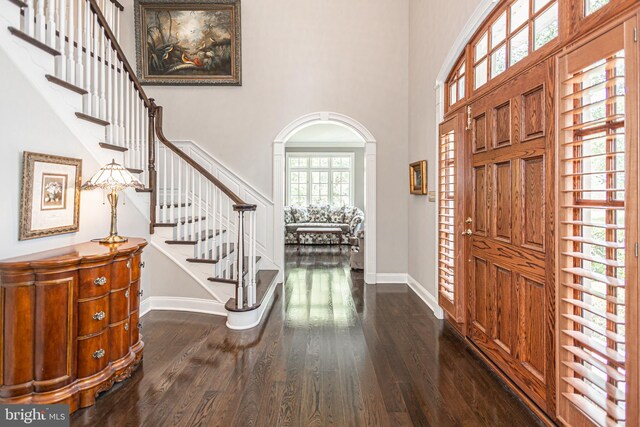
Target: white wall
(29, 124)
(432, 32)
(300, 57)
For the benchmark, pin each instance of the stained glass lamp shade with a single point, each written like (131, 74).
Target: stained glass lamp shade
(113, 178)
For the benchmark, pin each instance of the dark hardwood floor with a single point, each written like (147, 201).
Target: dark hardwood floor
(332, 352)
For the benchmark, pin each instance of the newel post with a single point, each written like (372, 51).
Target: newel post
(153, 174)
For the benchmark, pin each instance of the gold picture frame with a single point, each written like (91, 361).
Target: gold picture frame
(418, 177)
(50, 199)
(188, 42)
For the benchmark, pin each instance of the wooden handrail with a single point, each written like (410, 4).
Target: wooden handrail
(117, 4)
(239, 203)
(102, 21)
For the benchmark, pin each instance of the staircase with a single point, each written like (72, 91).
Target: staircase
(194, 218)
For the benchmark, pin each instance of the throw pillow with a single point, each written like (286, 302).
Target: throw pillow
(336, 215)
(300, 213)
(349, 212)
(319, 213)
(288, 215)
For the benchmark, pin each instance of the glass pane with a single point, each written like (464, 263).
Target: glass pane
(546, 27)
(499, 30)
(298, 162)
(519, 46)
(320, 162)
(341, 162)
(452, 93)
(499, 61)
(519, 14)
(539, 4)
(462, 69)
(480, 74)
(461, 87)
(481, 47)
(591, 6)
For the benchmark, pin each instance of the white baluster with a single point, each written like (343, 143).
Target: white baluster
(88, 98)
(207, 221)
(187, 195)
(109, 94)
(122, 95)
(61, 59)
(172, 200)
(131, 111)
(194, 204)
(95, 69)
(51, 23)
(71, 35)
(41, 21)
(27, 19)
(180, 210)
(165, 201)
(80, 28)
(103, 73)
(227, 262)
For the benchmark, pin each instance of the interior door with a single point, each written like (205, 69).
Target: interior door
(510, 257)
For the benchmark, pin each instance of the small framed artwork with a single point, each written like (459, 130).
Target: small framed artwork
(418, 177)
(188, 42)
(50, 202)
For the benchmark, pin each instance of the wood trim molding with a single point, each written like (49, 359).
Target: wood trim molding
(192, 305)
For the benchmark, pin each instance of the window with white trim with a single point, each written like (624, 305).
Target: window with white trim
(320, 179)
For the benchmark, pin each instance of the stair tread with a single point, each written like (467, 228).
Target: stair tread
(133, 170)
(31, 40)
(143, 190)
(245, 270)
(264, 280)
(209, 235)
(187, 220)
(100, 122)
(19, 3)
(223, 253)
(65, 84)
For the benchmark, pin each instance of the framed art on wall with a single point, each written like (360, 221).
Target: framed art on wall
(418, 177)
(50, 202)
(188, 42)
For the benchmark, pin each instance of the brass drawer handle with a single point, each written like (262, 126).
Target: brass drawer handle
(129, 264)
(100, 281)
(140, 293)
(99, 315)
(141, 264)
(126, 326)
(99, 354)
(126, 294)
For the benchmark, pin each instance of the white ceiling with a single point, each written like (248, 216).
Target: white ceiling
(325, 133)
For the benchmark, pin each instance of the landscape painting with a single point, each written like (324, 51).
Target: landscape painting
(188, 42)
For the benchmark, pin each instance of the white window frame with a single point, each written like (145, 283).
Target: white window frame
(330, 170)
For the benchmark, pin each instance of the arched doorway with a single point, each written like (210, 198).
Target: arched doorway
(369, 144)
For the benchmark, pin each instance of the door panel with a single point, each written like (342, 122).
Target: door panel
(510, 311)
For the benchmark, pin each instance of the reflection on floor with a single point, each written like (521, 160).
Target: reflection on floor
(332, 351)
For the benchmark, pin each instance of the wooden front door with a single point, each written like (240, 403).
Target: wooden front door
(510, 257)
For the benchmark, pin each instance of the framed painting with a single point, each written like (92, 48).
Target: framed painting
(50, 202)
(418, 177)
(188, 42)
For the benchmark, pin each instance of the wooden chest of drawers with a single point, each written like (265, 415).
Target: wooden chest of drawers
(69, 322)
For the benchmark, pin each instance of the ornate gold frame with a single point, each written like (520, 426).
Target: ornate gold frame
(28, 163)
(419, 167)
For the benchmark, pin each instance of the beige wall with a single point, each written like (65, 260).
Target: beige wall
(300, 57)
(432, 32)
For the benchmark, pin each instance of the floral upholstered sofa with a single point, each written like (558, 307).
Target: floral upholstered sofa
(349, 218)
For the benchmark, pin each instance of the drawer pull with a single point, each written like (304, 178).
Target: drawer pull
(126, 294)
(139, 325)
(141, 264)
(99, 354)
(140, 292)
(99, 315)
(126, 326)
(100, 281)
(129, 264)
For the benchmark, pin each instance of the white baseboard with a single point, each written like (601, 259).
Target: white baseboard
(391, 278)
(193, 305)
(426, 296)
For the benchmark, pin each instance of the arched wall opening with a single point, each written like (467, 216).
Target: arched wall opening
(367, 141)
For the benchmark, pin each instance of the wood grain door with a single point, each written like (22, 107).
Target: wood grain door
(510, 258)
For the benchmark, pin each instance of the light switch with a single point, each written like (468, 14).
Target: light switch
(432, 196)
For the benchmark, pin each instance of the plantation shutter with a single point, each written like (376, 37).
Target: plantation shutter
(450, 210)
(597, 231)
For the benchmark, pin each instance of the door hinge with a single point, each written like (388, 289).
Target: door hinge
(469, 117)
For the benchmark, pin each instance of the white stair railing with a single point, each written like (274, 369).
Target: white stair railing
(83, 34)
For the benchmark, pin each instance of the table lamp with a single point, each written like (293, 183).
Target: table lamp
(112, 178)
